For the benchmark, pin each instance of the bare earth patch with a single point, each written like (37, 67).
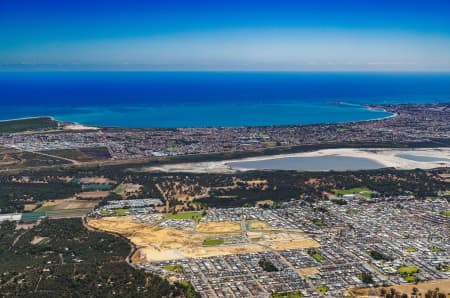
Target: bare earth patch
(219, 227)
(155, 243)
(308, 271)
(257, 225)
(71, 203)
(93, 194)
(29, 207)
(97, 180)
(38, 239)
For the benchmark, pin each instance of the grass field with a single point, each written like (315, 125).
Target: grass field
(435, 249)
(44, 208)
(120, 189)
(446, 213)
(407, 273)
(317, 256)
(185, 215)
(295, 294)
(322, 288)
(213, 242)
(410, 278)
(363, 191)
(174, 268)
(121, 211)
(407, 270)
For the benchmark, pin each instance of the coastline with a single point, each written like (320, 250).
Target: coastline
(88, 126)
(30, 118)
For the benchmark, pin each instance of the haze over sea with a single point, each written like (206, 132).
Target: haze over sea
(201, 99)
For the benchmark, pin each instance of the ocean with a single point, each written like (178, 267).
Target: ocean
(203, 99)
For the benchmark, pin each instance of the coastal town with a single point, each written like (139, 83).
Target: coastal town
(413, 125)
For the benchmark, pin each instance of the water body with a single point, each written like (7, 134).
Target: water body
(422, 158)
(320, 163)
(202, 99)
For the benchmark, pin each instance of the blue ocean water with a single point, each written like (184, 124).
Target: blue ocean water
(200, 99)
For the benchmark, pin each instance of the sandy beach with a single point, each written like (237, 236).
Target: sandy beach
(386, 157)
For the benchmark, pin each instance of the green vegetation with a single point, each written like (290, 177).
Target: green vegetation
(14, 126)
(318, 222)
(407, 270)
(77, 263)
(120, 211)
(174, 268)
(13, 195)
(435, 249)
(407, 273)
(267, 265)
(196, 215)
(318, 257)
(446, 213)
(213, 241)
(379, 256)
(295, 294)
(74, 154)
(339, 201)
(21, 160)
(81, 154)
(105, 212)
(44, 208)
(173, 149)
(270, 144)
(410, 278)
(362, 191)
(120, 189)
(97, 186)
(322, 288)
(411, 249)
(75, 180)
(366, 278)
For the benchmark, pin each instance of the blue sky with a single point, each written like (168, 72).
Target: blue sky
(227, 35)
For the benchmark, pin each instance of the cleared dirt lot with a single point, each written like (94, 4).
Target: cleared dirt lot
(257, 225)
(157, 244)
(308, 271)
(219, 227)
(93, 194)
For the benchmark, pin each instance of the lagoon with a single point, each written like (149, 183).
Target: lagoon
(421, 158)
(319, 163)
